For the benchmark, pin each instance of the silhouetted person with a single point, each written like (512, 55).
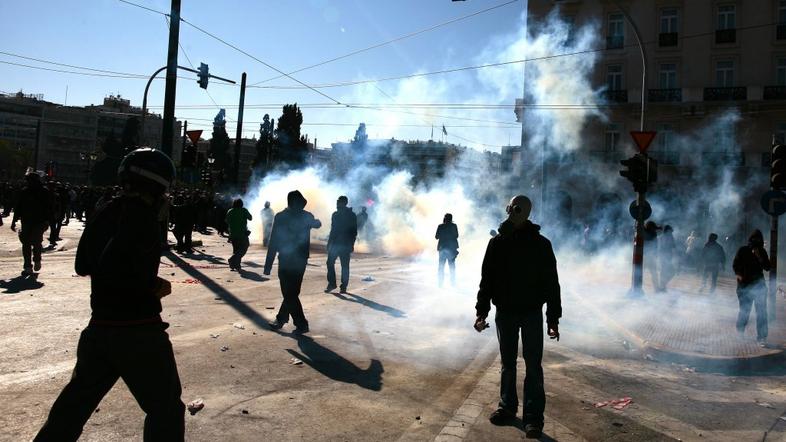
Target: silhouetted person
(666, 251)
(519, 275)
(267, 215)
(185, 211)
(692, 251)
(362, 219)
(290, 240)
(34, 209)
(341, 243)
(749, 265)
(237, 223)
(120, 251)
(163, 221)
(713, 258)
(447, 246)
(650, 234)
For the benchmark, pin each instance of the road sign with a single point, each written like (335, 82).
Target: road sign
(194, 136)
(634, 210)
(774, 202)
(643, 139)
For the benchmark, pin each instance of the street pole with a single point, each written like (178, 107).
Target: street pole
(167, 134)
(144, 102)
(238, 137)
(773, 286)
(183, 149)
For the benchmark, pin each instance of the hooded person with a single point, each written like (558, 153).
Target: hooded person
(713, 258)
(267, 215)
(447, 247)
(34, 208)
(341, 243)
(290, 241)
(749, 265)
(519, 275)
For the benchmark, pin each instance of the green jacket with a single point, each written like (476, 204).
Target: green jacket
(237, 222)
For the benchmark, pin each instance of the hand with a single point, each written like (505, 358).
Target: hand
(554, 331)
(163, 287)
(13, 227)
(480, 323)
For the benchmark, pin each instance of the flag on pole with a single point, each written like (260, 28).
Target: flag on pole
(444, 131)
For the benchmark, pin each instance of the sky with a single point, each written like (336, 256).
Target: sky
(288, 35)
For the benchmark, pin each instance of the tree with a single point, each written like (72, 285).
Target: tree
(219, 146)
(266, 154)
(292, 146)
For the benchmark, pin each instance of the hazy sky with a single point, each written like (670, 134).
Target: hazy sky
(288, 34)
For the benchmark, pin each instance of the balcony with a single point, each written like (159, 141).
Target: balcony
(725, 36)
(734, 159)
(616, 95)
(780, 32)
(775, 93)
(668, 39)
(665, 95)
(725, 93)
(615, 41)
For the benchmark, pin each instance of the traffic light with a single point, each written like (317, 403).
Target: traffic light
(641, 171)
(778, 167)
(203, 75)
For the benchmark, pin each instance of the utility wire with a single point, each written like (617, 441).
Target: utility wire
(142, 7)
(71, 65)
(397, 39)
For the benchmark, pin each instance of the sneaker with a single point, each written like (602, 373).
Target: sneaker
(37, 266)
(501, 416)
(533, 431)
(301, 330)
(762, 342)
(343, 290)
(276, 325)
(27, 272)
(330, 288)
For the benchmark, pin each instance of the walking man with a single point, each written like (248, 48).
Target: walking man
(290, 240)
(267, 223)
(666, 251)
(237, 222)
(447, 246)
(714, 258)
(34, 209)
(341, 243)
(519, 275)
(749, 265)
(120, 250)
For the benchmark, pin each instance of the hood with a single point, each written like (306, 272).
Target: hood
(756, 238)
(506, 228)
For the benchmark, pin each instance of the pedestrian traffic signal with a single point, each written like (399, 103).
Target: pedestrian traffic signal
(778, 167)
(640, 170)
(203, 75)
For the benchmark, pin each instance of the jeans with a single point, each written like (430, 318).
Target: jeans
(754, 294)
(239, 249)
(449, 256)
(531, 326)
(331, 268)
(31, 238)
(290, 289)
(142, 356)
(712, 272)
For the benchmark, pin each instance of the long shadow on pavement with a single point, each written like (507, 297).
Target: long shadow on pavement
(336, 367)
(351, 297)
(245, 274)
(20, 284)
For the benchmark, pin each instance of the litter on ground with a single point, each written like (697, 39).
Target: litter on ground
(295, 361)
(617, 404)
(224, 348)
(239, 326)
(368, 279)
(195, 406)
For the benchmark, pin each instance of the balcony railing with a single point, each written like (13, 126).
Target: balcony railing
(725, 93)
(668, 39)
(616, 95)
(665, 95)
(615, 41)
(775, 92)
(723, 36)
(723, 158)
(780, 32)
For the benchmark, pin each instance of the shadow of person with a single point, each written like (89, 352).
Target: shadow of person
(351, 297)
(245, 274)
(20, 284)
(334, 366)
(519, 423)
(197, 255)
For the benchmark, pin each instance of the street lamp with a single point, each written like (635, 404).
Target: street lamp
(89, 157)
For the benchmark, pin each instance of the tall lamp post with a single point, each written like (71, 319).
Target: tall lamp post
(89, 157)
(210, 161)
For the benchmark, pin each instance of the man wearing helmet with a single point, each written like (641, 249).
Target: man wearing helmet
(120, 251)
(34, 209)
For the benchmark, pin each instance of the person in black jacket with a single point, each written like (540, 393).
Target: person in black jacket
(447, 246)
(341, 243)
(749, 265)
(519, 275)
(34, 209)
(714, 258)
(120, 250)
(291, 240)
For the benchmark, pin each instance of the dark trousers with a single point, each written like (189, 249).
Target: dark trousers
(142, 356)
(239, 249)
(267, 231)
(531, 326)
(749, 296)
(31, 238)
(164, 228)
(449, 256)
(290, 289)
(343, 257)
(712, 272)
(54, 229)
(183, 236)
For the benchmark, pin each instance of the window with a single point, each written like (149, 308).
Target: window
(780, 72)
(614, 77)
(782, 12)
(724, 74)
(612, 137)
(668, 20)
(667, 77)
(727, 17)
(616, 23)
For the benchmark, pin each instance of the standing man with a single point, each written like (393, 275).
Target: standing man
(714, 258)
(34, 208)
(120, 250)
(666, 251)
(519, 275)
(341, 243)
(650, 236)
(267, 223)
(237, 221)
(447, 246)
(749, 265)
(291, 240)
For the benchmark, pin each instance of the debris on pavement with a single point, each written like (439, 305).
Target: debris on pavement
(224, 348)
(417, 418)
(765, 405)
(191, 281)
(269, 308)
(368, 278)
(649, 357)
(195, 405)
(244, 411)
(617, 404)
(214, 336)
(295, 361)
(689, 369)
(239, 326)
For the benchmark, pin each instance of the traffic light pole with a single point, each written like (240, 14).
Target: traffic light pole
(167, 134)
(773, 286)
(239, 136)
(638, 248)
